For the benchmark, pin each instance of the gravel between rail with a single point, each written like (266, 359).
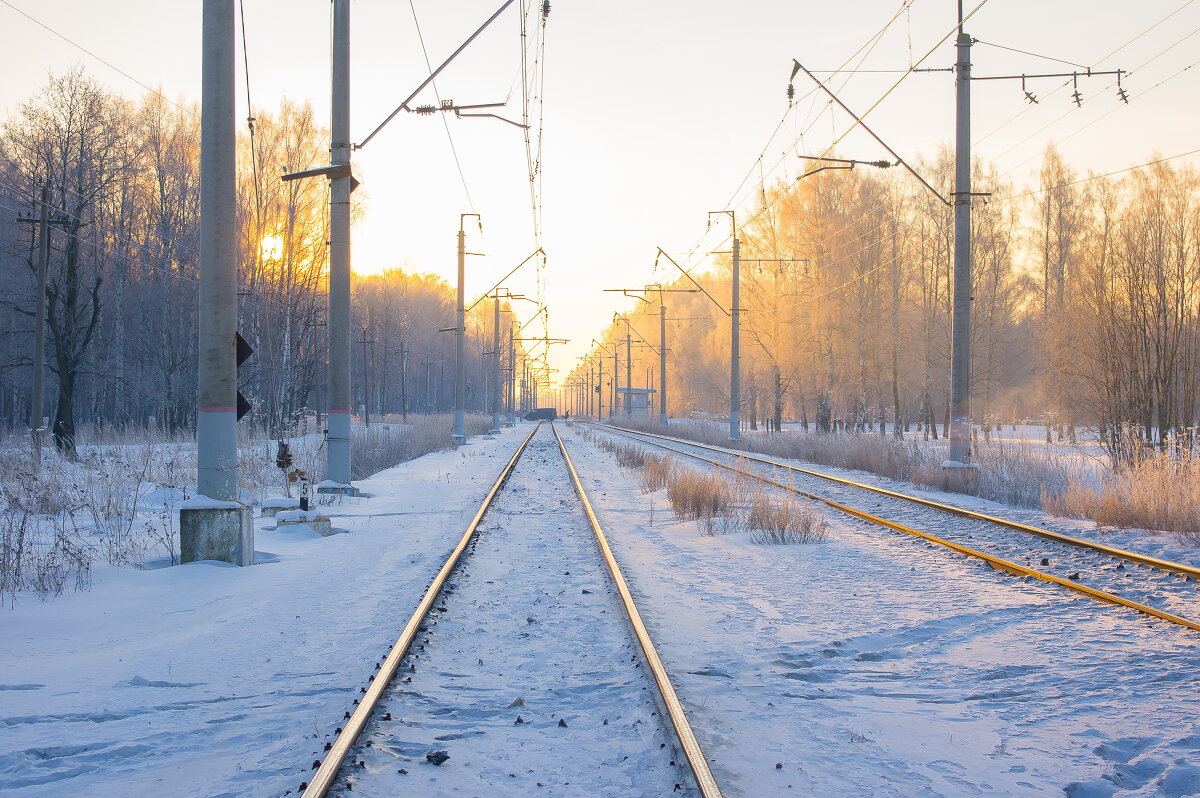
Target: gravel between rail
(526, 679)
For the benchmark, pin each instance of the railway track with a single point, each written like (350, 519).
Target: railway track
(516, 672)
(1157, 588)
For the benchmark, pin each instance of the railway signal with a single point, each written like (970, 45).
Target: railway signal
(244, 351)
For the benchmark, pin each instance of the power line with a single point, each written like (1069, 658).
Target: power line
(107, 63)
(1063, 85)
(445, 122)
(250, 116)
(1026, 52)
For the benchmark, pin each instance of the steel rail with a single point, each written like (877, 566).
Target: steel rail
(683, 730)
(322, 780)
(1058, 537)
(997, 563)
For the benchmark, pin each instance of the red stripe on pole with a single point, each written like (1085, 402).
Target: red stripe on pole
(347, 412)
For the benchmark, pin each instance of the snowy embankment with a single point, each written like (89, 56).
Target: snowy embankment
(203, 680)
(874, 665)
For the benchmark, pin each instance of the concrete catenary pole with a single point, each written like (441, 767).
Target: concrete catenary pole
(960, 356)
(496, 359)
(735, 348)
(628, 372)
(662, 363)
(338, 451)
(39, 340)
(460, 333)
(599, 387)
(616, 385)
(512, 373)
(216, 416)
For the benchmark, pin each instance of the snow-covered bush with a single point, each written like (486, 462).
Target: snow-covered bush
(656, 472)
(117, 503)
(1158, 492)
(41, 557)
(385, 444)
(1009, 473)
(784, 521)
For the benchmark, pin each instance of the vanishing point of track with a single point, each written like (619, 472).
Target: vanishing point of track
(335, 763)
(745, 461)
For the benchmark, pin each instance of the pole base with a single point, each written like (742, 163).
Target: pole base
(458, 440)
(213, 530)
(337, 488)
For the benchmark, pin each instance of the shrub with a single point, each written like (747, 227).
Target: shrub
(785, 522)
(656, 472)
(1157, 492)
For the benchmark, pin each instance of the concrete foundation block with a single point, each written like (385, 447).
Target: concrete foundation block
(319, 523)
(337, 488)
(272, 506)
(224, 533)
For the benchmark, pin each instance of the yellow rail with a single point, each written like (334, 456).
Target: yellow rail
(322, 780)
(683, 730)
(998, 563)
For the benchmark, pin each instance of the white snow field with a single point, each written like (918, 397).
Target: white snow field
(874, 664)
(870, 664)
(207, 680)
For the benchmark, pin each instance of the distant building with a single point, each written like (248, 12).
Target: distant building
(639, 400)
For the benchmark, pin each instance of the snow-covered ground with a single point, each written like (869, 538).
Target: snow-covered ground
(1163, 590)
(1153, 544)
(866, 665)
(875, 665)
(202, 679)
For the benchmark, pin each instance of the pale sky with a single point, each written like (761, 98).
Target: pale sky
(655, 111)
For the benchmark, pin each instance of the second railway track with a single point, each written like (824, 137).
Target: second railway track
(525, 668)
(1155, 587)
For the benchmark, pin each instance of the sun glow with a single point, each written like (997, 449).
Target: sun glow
(270, 248)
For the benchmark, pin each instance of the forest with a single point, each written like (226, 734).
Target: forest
(1085, 292)
(1085, 307)
(123, 184)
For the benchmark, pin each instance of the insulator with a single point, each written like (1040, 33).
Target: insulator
(424, 109)
(1122, 95)
(1078, 98)
(545, 8)
(791, 92)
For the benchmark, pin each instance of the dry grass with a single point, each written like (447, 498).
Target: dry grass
(1011, 473)
(384, 445)
(40, 558)
(700, 496)
(656, 472)
(719, 502)
(1157, 493)
(787, 521)
(56, 523)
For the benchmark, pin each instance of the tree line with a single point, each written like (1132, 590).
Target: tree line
(1086, 308)
(123, 181)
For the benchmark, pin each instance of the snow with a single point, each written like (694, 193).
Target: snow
(280, 501)
(298, 516)
(246, 669)
(877, 664)
(871, 664)
(329, 483)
